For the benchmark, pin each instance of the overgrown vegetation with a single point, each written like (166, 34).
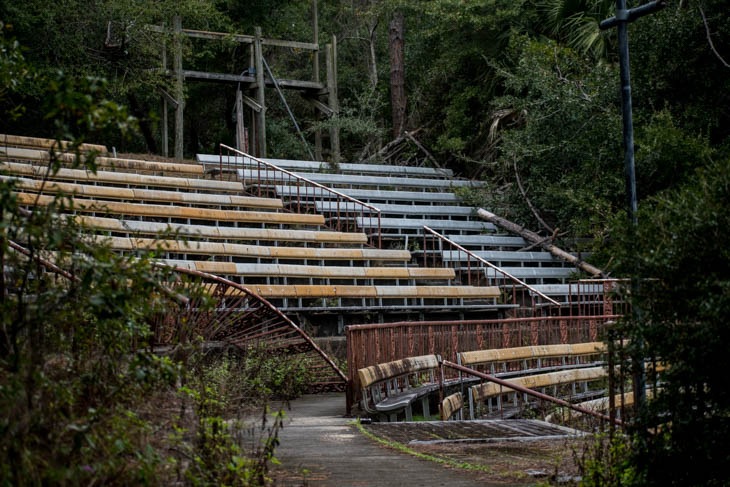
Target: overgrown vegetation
(523, 94)
(83, 399)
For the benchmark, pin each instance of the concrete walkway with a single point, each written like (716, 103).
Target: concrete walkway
(317, 438)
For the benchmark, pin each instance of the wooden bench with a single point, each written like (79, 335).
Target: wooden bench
(41, 143)
(195, 247)
(131, 194)
(516, 361)
(382, 169)
(253, 175)
(496, 256)
(452, 406)
(488, 241)
(183, 212)
(313, 271)
(525, 360)
(116, 163)
(369, 195)
(418, 224)
(345, 291)
(480, 393)
(219, 233)
(390, 209)
(124, 178)
(392, 387)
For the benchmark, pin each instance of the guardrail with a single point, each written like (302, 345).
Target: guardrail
(347, 209)
(371, 344)
(515, 289)
(598, 296)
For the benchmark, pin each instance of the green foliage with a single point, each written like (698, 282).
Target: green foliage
(575, 181)
(681, 242)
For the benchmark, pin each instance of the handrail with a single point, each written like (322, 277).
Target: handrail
(307, 182)
(530, 392)
(485, 262)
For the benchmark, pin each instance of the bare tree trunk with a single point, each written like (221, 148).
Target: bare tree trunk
(397, 75)
(372, 65)
(544, 243)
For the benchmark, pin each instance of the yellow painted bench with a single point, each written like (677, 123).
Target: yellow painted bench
(111, 192)
(100, 161)
(40, 143)
(124, 178)
(186, 212)
(255, 251)
(392, 387)
(482, 392)
(305, 271)
(219, 233)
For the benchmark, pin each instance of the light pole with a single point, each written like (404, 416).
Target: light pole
(621, 22)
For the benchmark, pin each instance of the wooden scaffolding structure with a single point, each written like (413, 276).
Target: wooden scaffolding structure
(251, 86)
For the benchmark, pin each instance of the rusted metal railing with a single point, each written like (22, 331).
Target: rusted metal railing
(524, 390)
(588, 297)
(478, 273)
(371, 344)
(308, 193)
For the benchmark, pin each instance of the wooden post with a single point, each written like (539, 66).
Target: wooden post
(163, 122)
(240, 129)
(315, 75)
(179, 94)
(260, 85)
(331, 64)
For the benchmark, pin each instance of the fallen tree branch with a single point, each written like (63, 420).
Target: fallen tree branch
(533, 237)
(529, 203)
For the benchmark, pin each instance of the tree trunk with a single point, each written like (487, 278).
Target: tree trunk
(397, 75)
(542, 242)
(372, 65)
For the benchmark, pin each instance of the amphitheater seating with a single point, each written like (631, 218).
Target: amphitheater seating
(132, 194)
(478, 394)
(113, 162)
(351, 181)
(135, 227)
(259, 252)
(392, 387)
(40, 143)
(178, 212)
(372, 196)
(125, 179)
(311, 271)
(312, 166)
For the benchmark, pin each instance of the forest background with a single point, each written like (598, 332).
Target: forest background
(522, 94)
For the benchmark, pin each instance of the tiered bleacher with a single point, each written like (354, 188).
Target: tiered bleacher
(295, 259)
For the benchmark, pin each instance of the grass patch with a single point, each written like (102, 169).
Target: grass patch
(403, 448)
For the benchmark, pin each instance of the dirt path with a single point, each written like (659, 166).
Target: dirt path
(317, 438)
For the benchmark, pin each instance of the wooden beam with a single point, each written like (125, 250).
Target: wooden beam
(315, 78)
(222, 77)
(317, 104)
(179, 93)
(242, 38)
(260, 98)
(291, 84)
(331, 64)
(251, 103)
